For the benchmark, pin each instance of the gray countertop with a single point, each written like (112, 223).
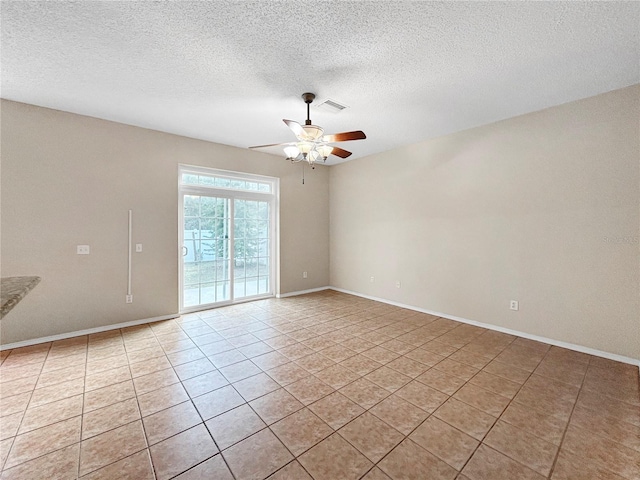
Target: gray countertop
(13, 290)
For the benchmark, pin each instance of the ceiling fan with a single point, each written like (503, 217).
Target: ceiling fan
(313, 144)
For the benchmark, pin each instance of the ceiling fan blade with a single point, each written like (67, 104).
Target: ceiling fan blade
(295, 127)
(344, 136)
(273, 145)
(338, 152)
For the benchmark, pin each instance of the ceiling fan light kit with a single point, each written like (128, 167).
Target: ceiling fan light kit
(313, 144)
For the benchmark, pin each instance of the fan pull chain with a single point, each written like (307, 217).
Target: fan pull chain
(303, 173)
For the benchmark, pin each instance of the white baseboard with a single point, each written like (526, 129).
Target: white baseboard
(302, 292)
(62, 336)
(550, 341)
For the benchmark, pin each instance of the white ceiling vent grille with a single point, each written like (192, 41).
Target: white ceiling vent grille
(331, 106)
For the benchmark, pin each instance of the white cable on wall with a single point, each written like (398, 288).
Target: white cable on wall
(129, 261)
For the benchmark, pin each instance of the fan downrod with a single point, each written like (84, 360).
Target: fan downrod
(308, 98)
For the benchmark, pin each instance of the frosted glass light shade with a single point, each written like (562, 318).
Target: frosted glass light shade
(313, 156)
(312, 132)
(324, 151)
(291, 151)
(305, 147)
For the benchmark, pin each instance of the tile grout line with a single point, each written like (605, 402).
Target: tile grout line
(187, 334)
(106, 431)
(86, 360)
(481, 442)
(333, 319)
(391, 393)
(196, 409)
(566, 428)
(55, 422)
(82, 419)
(268, 427)
(24, 413)
(568, 418)
(147, 447)
(432, 414)
(199, 414)
(144, 430)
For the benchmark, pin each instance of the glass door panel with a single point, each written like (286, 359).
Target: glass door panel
(206, 250)
(251, 248)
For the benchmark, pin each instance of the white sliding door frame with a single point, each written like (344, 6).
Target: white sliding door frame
(272, 196)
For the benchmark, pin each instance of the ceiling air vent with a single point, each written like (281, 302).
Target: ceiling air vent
(331, 106)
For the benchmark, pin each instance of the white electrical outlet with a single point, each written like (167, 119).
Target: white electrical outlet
(514, 305)
(138, 247)
(371, 279)
(304, 274)
(128, 298)
(398, 284)
(83, 250)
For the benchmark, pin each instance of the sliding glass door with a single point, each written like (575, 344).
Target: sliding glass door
(227, 235)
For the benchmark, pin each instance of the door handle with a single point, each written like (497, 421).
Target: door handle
(185, 251)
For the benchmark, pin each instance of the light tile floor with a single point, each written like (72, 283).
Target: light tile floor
(325, 386)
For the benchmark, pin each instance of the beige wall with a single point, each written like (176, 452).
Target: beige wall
(530, 209)
(69, 179)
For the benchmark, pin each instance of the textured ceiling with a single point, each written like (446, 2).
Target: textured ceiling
(229, 72)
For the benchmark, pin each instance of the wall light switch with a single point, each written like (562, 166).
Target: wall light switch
(83, 250)
(138, 247)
